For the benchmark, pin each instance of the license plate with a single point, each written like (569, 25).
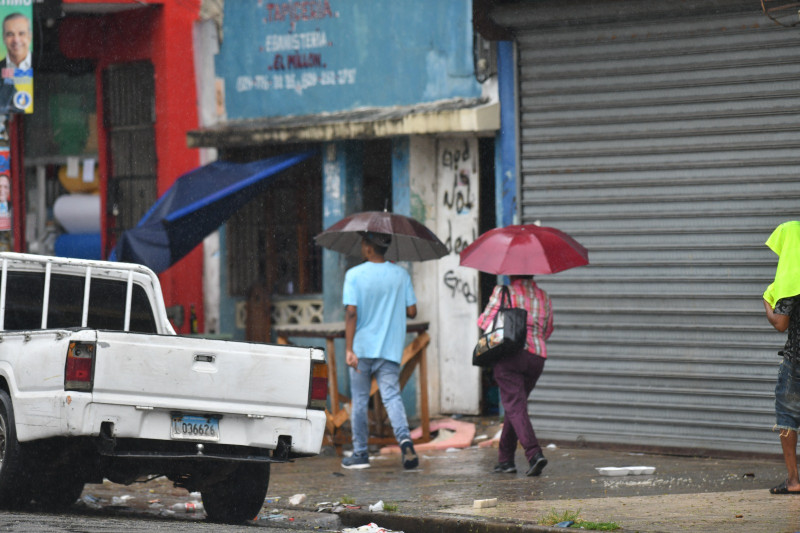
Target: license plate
(191, 427)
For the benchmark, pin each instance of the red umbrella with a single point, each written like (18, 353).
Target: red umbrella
(524, 250)
(411, 240)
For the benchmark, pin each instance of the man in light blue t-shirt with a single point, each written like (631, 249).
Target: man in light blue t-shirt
(378, 296)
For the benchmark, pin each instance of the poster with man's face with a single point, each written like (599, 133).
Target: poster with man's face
(16, 66)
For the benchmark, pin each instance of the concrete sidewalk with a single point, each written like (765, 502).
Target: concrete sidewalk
(685, 493)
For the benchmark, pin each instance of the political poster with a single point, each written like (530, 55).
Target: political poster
(16, 51)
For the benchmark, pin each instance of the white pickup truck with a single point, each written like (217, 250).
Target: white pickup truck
(94, 383)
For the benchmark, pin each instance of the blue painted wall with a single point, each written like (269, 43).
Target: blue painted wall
(299, 58)
(401, 204)
(342, 171)
(506, 142)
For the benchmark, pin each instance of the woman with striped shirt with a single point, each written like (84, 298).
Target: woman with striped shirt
(516, 375)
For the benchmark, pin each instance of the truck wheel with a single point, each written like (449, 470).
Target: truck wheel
(57, 491)
(14, 490)
(238, 498)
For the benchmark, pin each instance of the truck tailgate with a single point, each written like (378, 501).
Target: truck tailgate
(163, 371)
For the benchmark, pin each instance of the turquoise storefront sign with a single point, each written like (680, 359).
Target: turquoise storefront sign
(308, 57)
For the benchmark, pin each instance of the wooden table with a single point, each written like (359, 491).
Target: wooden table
(413, 355)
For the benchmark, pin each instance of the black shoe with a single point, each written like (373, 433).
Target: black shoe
(537, 464)
(505, 468)
(409, 456)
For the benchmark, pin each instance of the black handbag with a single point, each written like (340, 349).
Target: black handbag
(505, 336)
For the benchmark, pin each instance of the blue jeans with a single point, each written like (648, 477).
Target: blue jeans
(787, 396)
(387, 374)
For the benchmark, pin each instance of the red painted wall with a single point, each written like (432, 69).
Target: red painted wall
(161, 34)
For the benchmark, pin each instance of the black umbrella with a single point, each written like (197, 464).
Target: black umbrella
(411, 240)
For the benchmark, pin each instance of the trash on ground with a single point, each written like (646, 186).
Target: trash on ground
(188, 507)
(272, 499)
(90, 501)
(120, 500)
(483, 504)
(551, 446)
(377, 507)
(641, 470)
(481, 437)
(493, 441)
(449, 433)
(565, 523)
(369, 528)
(273, 517)
(452, 450)
(297, 499)
(626, 470)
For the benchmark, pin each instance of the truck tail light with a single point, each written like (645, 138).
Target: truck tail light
(319, 385)
(80, 366)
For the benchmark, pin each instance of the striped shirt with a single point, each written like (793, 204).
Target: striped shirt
(527, 295)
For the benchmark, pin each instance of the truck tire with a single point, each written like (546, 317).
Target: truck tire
(238, 498)
(14, 489)
(57, 491)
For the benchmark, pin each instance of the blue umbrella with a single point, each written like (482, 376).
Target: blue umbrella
(198, 203)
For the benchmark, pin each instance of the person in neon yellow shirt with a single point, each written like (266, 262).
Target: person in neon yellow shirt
(782, 305)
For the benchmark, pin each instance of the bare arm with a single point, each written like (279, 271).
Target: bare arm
(779, 322)
(411, 311)
(350, 320)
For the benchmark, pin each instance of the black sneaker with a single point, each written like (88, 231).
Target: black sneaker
(537, 464)
(356, 461)
(505, 468)
(409, 456)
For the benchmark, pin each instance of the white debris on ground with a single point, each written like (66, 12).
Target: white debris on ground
(121, 500)
(377, 507)
(369, 528)
(484, 504)
(297, 499)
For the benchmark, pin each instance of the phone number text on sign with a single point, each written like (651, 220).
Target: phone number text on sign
(295, 82)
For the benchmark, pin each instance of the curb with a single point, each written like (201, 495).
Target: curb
(438, 524)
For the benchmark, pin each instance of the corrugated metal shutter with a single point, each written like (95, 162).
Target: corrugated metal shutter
(669, 148)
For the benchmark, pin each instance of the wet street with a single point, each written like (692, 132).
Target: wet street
(76, 521)
(731, 491)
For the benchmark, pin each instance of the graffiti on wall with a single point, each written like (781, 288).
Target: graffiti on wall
(458, 221)
(457, 204)
(458, 194)
(459, 287)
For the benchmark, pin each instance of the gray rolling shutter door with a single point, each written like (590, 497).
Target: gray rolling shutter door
(670, 148)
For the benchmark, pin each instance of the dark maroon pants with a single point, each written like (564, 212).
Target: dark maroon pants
(516, 376)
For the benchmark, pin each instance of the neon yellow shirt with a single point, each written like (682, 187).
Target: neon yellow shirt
(785, 241)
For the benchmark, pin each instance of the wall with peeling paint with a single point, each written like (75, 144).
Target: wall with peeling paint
(443, 190)
(300, 58)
